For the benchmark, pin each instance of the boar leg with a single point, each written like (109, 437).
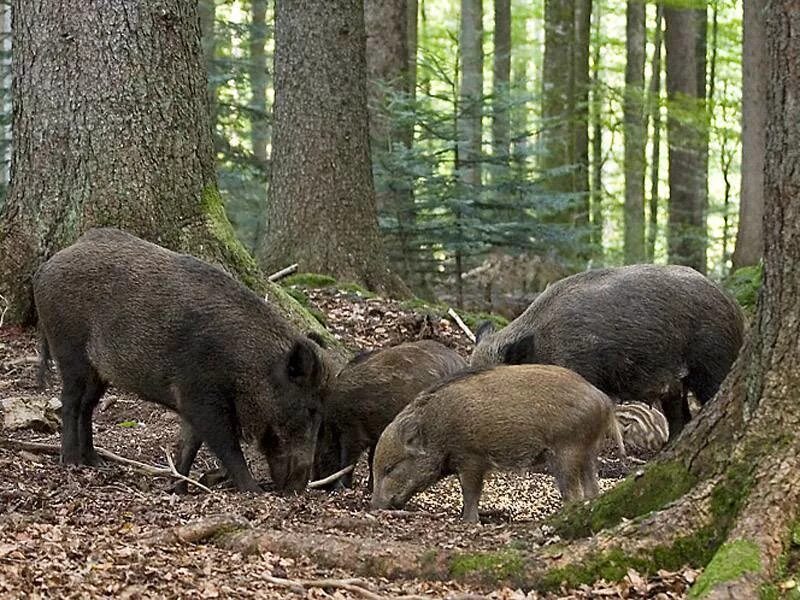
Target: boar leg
(214, 422)
(371, 459)
(567, 466)
(589, 482)
(471, 478)
(94, 389)
(71, 393)
(676, 410)
(188, 446)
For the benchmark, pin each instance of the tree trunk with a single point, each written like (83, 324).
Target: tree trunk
(259, 121)
(749, 245)
(412, 27)
(470, 95)
(390, 136)
(522, 68)
(597, 141)
(687, 227)
(580, 118)
(635, 132)
(5, 99)
(322, 211)
(655, 115)
(704, 92)
(501, 80)
(207, 11)
(111, 130)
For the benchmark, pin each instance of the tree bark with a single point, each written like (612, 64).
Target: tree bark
(635, 132)
(322, 211)
(111, 129)
(207, 11)
(259, 123)
(749, 244)
(580, 119)
(501, 124)
(655, 114)
(5, 99)
(687, 220)
(598, 220)
(470, 95)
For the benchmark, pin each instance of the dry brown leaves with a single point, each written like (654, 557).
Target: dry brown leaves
(67, 532)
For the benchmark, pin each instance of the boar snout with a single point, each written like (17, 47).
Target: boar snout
(290, 472)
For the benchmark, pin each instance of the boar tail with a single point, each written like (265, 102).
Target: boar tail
(43, 372)
(616, 433)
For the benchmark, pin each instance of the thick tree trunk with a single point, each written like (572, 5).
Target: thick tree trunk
(470, 95)
(654, 102)
(749, 243)
(322, 211)
(501, 124)
(5, 99)
(111, 129)
(259, 122)
(635, 132)
(687, 220)
(412, 27)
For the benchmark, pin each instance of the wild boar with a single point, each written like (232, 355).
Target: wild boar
(643, 426)
(115, 309)
(508, 417)
(638, 333)
(369, 392)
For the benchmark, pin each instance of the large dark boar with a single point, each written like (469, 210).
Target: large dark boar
(642, 332)
(175, 330)
(509, 417)
(369, 392)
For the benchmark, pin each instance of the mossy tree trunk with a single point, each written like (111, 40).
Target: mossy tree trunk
(112, 128)
(322, 211)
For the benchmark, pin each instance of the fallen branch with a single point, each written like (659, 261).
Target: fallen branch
(55, 450)
(283, 273)
(332, 477)
(463, 326)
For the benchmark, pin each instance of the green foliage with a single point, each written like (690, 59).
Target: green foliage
(744, 284)
(309, 280)
(731, 561)
(128, 424)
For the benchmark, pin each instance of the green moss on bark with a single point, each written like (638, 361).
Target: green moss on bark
(731, 561)
(502, 565)
(660, 484)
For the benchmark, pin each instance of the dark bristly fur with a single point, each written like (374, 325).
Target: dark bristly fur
(508, 417)
(642, 332)
(369, 392)
(115, 309)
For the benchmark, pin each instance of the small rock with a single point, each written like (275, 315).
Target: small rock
(39, 414)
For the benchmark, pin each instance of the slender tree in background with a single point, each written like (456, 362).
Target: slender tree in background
(387, 83)
(654, 103)
(322, 211)
(110, 131)
(259, 123)
(749, 245)
(635, 132)
(580, 117)
(501, 120)
(522, 66)
(686, 237)
(412, 27)
(470, 93)
(598, 219)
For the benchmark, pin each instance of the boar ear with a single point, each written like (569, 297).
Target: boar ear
(317, 339)
(484, 328)
(411, 436)
(520, 351)
(303, 366)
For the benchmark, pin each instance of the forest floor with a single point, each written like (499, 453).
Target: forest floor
(85, 532)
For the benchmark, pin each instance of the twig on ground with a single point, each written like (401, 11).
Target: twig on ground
(332, 477)
(107, 403)
(24, 360)
(355, 586)
(5, 308)
(463, 326)
(283, 273)
(54, 450)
